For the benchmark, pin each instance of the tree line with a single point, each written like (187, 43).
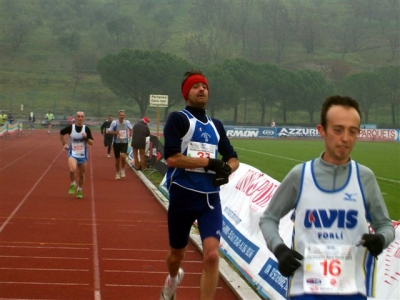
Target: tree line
(271, 52)
(134, 75)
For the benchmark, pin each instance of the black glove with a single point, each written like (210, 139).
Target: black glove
(287, 259)
(218, 166)
(373, 242)
(220, 179)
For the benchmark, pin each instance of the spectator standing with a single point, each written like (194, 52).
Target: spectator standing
(32, 120)
(192, 143)
(49, 119)
(10, 118)
(108, 138)
(79, 137)
(273, 124)
(140, 132)
(333, 198)
(121, 130)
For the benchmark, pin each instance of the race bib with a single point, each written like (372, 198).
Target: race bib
(122, 134)
(78, 149)
(329, 269)
(196, 149)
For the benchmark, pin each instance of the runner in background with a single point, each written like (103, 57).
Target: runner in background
(334, 198)
(121, 130)
(32, 120)
(3, 118)
(49, 119)
(140, 132)
(108, 138)
(79, 137)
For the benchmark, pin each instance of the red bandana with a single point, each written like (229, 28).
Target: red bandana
(190, 81)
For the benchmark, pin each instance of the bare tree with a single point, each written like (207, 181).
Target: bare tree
(279, 24)
(17, 23)
(83, 65)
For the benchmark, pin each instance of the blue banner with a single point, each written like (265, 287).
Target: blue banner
(238, 242)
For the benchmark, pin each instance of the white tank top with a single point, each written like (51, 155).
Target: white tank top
(328, 224)
(77, 145)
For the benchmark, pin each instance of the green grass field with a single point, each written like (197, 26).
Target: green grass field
(277, 157)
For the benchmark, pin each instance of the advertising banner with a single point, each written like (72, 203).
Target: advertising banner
(389, 135)
(366, 134)
(250, 132)
(298, 132)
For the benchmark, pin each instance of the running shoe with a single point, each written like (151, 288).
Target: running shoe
(169, 290)
(79, 194)
(122, 173)
(71, 189)
(117, 176)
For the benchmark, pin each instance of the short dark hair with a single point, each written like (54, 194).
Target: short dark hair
(337, 100)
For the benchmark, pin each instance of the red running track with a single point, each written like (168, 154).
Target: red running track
(111, 244)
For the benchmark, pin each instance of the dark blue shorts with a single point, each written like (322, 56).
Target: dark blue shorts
(185, 207)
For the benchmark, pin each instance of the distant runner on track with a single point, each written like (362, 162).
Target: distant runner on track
(79, 137)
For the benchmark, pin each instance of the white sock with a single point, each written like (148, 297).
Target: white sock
(173, 280)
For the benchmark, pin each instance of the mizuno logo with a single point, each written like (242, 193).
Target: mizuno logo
(349, 197)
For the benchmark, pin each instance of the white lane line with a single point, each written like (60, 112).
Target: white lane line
(45, 269)
(153, 260)
(28, 194)
(292, 159)
(44, 257)
(42, 283)
(17, 145)
(136, 249)
(96, 264)
(44, 247)
(390, 180)
(21, 157)
(149, 272)
(155, 286)
(273, 155)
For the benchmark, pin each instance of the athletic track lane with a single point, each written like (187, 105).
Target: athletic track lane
(111, 244)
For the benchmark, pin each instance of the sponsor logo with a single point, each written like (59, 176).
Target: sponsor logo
(314, 288)
(349, 197)
(268, 132)
(242, 133)
(379, 134)
(314, 280)
(206, 136)
(296, 132)
(323, 218)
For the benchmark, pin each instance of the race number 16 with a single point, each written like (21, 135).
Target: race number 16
(331, 267)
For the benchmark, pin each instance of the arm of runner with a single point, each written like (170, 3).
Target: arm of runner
(64, 144)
